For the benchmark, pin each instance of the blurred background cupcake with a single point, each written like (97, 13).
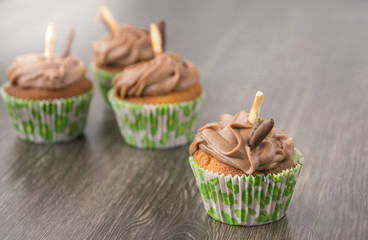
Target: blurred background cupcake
(48, 95)
(157, 102)
(123, 46)
(245, 169)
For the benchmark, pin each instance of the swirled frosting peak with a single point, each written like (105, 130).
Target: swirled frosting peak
(129, 46)
(229, 142)
(164, 74)
(38, 71)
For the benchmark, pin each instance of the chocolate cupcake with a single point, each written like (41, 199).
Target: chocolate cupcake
(157, 102)
(48, 96)
(245, 169)
(123, 46)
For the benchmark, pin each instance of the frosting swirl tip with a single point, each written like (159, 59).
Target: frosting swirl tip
(38, 71)
(163, 74)
(234, 141)
(129, 46)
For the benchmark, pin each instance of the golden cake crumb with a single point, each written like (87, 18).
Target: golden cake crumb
(211, 164)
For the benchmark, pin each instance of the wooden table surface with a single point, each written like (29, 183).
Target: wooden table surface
(310, 58)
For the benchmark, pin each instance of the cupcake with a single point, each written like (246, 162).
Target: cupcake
(157, 102)
(121, 47)
(245, 169)
(47, 96)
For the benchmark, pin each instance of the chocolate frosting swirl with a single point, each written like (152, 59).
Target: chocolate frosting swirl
(228, 141)
(130, 46)
(164, 74)
(38, 71)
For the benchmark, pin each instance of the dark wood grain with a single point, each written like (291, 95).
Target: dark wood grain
(310, 58)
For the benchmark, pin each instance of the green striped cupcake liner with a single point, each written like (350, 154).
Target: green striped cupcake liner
(103, 80)
(48, 121)
(247, 200)
(156, 126)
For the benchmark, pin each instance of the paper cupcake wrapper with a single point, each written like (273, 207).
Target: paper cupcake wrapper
(156, 126)
(48, 121)
(247, 201)
(103, 80)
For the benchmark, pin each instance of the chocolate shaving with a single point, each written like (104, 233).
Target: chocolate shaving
(162, 26)
(68, 43)
(261, 132)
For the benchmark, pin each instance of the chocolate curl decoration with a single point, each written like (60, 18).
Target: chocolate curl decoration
(68, 43)
(49, 40)
(254, 112)
(261, 132)
(162, 27)
(105, 15)
(156, 39)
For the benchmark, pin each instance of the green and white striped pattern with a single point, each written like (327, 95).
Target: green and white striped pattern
(103, 80)
(247, 201)
(48, 121)
(156, 126)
